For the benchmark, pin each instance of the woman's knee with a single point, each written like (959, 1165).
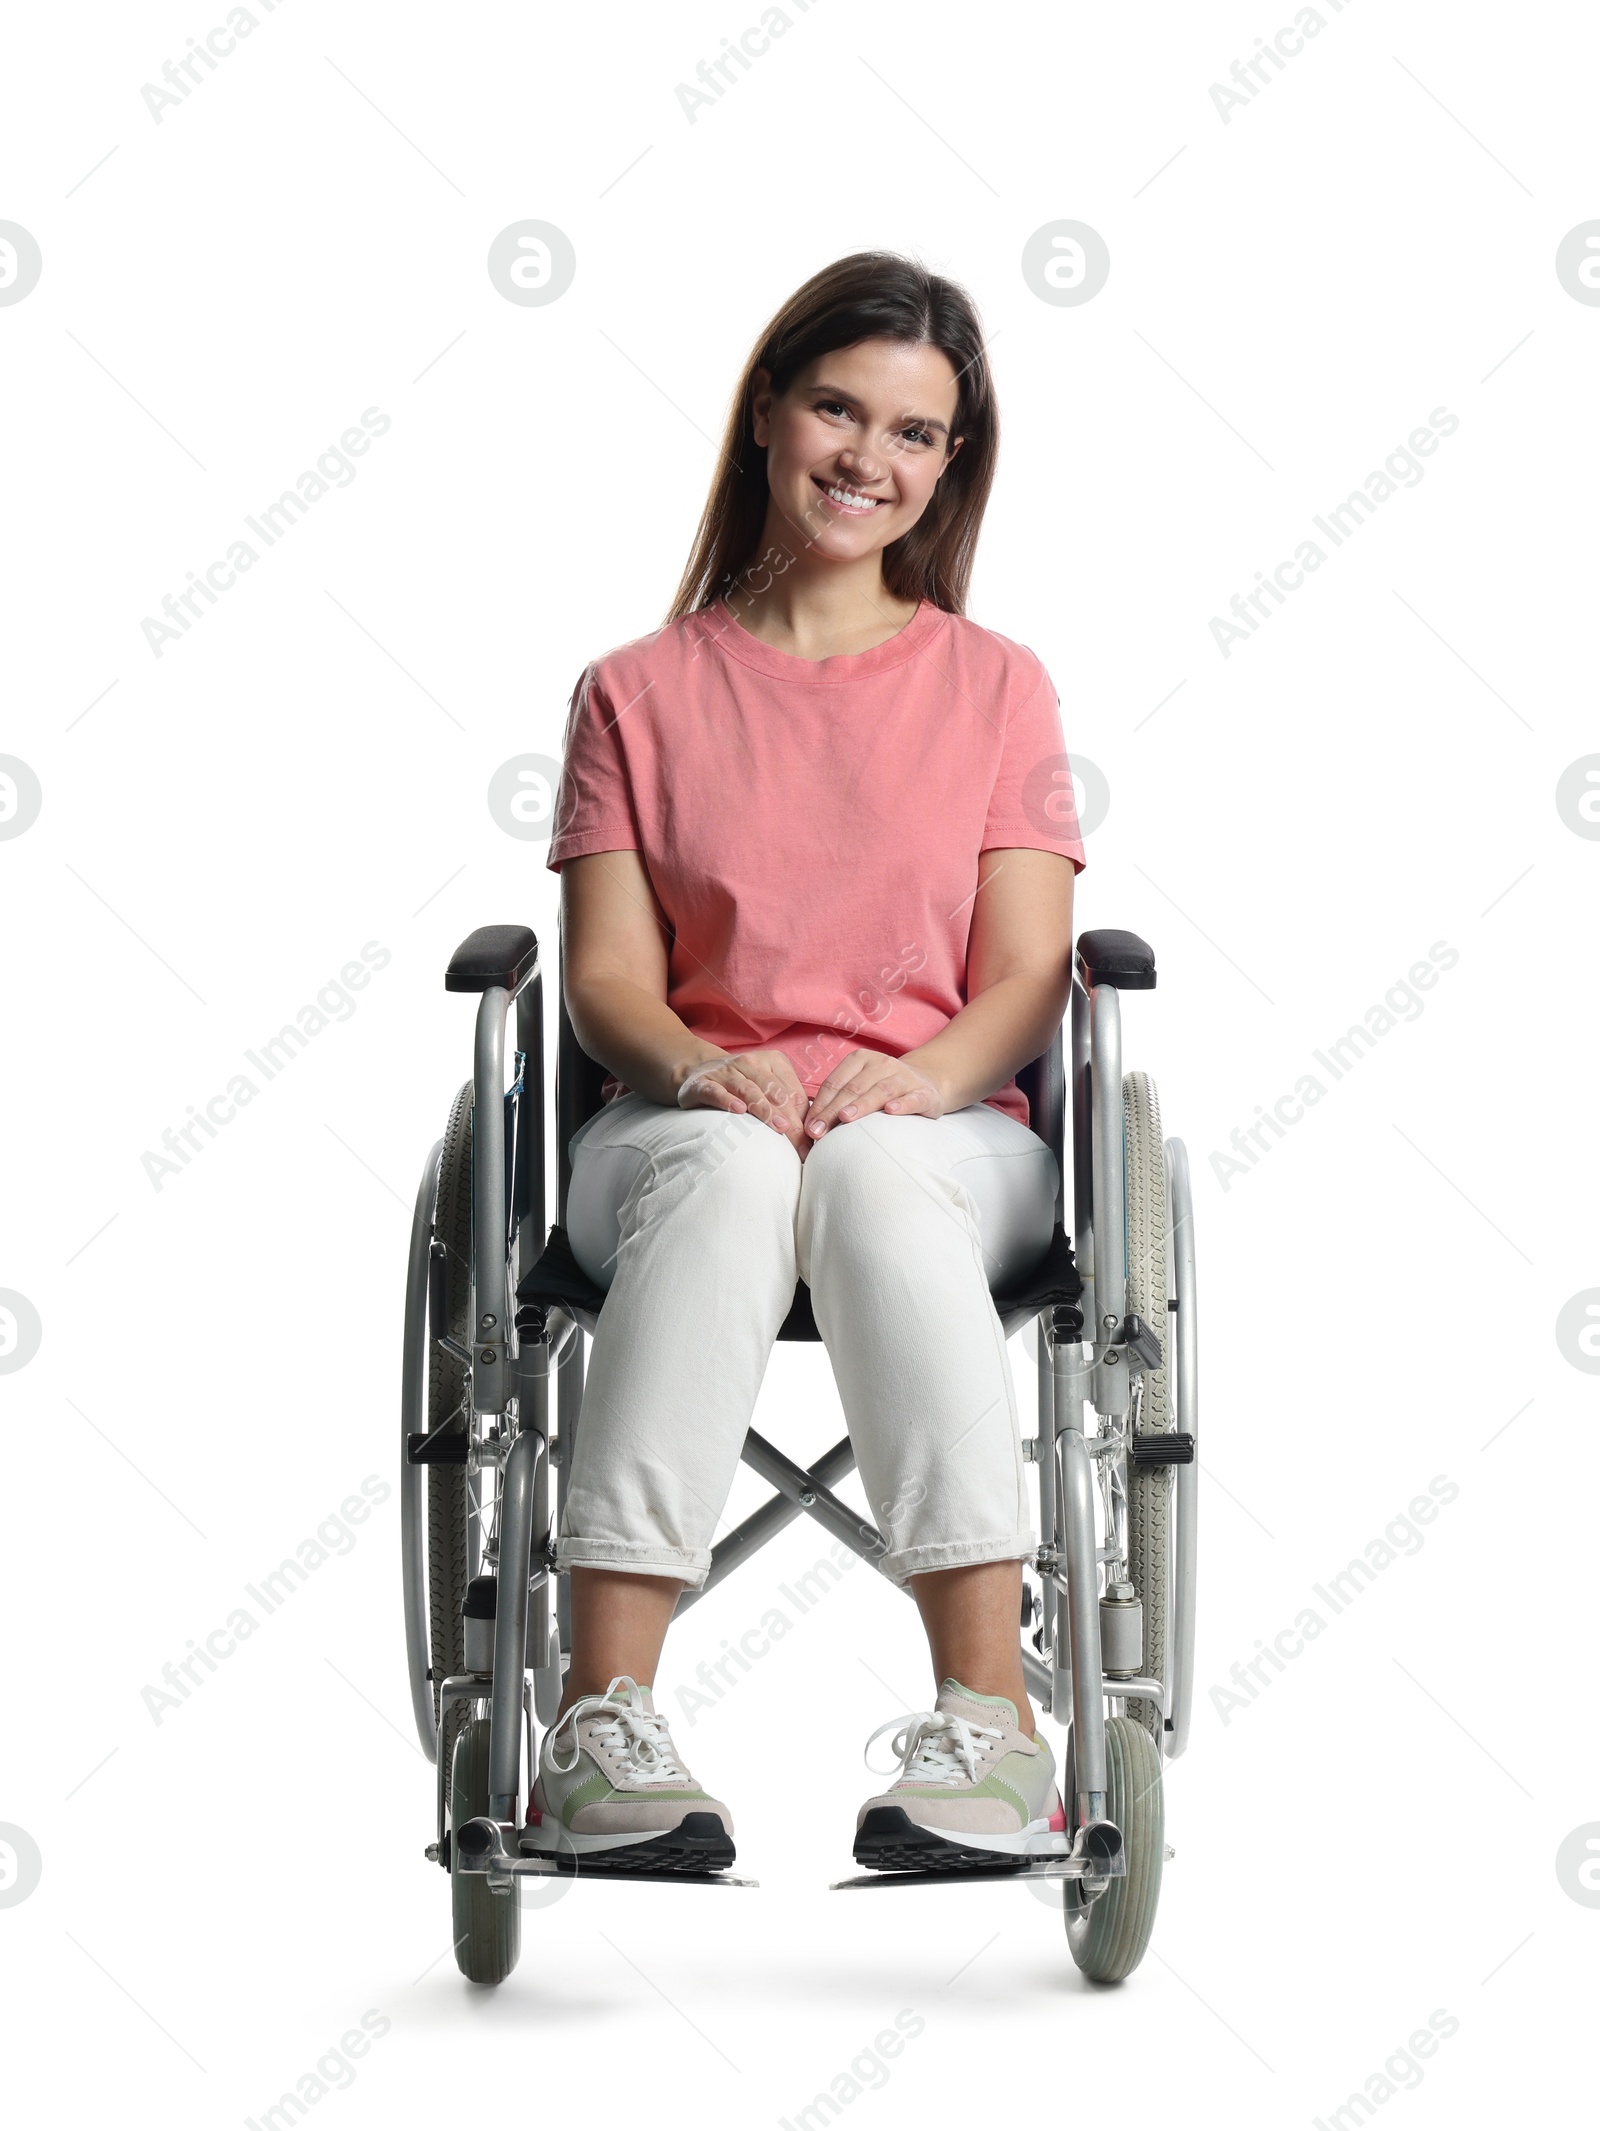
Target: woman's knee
(872, 1159)
(712, 1174)
(868, 1190)
(726, 1176)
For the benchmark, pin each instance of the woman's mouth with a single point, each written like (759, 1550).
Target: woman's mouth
(848, 502)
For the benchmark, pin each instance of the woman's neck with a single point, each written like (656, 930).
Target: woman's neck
(817, 610)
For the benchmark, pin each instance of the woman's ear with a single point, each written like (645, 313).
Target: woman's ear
(761, 405)
(955, 445)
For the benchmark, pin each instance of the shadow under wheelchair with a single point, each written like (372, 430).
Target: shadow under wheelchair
(497, 1309)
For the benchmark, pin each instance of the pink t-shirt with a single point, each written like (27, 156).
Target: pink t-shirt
(812, 827)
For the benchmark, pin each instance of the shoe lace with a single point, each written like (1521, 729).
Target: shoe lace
(639, 1732)
(934, 1747)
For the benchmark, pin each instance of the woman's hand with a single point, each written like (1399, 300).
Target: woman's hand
(864, 1081)
(764, 1083)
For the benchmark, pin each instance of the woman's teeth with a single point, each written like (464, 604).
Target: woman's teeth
(859, 505)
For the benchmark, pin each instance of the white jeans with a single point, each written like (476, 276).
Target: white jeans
(697, 1223)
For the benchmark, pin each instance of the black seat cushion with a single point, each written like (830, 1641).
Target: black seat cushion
(494, 954)
(1055, 1279)
(556, 1277)
(1107, 956)
(800, 1324)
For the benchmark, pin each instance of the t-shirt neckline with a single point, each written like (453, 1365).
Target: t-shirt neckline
(748, 650)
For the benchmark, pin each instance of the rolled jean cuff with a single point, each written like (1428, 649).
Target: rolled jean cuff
(691, 1565)
(902, 1562)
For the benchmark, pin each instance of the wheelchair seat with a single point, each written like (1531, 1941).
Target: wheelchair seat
(556, 1280)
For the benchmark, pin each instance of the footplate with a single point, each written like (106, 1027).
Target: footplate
(480, 1848)
(1047, 1868)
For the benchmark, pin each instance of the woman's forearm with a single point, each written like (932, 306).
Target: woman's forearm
(1003, 1029)
(635, 1035)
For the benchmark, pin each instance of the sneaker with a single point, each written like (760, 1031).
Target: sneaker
(611, 1789)
(972, 1791)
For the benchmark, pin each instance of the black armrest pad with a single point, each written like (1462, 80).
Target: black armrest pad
(1121, 959)
(494, 954)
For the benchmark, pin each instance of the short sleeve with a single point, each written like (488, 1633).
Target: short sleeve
(594, 803)
(1032, 807)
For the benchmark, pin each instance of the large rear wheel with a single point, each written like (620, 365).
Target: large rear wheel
(450, 1497)
(1149, 1486)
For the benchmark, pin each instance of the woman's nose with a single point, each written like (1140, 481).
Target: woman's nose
(862, 466)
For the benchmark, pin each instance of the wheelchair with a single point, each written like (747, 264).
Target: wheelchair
(496, 1314)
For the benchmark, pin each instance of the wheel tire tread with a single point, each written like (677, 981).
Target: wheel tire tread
(448, 1497)
(1149, 1487)
(1113, 1942)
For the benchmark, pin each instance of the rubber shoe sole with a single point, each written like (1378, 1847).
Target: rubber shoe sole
(699, 1843)
(889, 1840)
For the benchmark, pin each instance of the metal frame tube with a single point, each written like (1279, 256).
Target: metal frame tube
(531, 1124)
(543, 1656)
(1081, 1085)
(1036, 1675)
(1106, 1161)
(490, 1288)
(1049, 1532)
(517, 1488)
(413, 1478)
(544, 1646)
(569, 1405)
(1185, 1356)
(766, 1522)
(1079, 1682)
(1083, 1586)
(802, 1487)
(1068, 1369)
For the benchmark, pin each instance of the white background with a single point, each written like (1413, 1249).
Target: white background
(304, 236)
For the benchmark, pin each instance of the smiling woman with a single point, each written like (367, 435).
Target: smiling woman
(804, 806)
(913, 343)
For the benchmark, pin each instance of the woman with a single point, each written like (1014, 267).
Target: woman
(818, 804)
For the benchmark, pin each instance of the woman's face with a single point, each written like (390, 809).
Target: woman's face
(856, 444)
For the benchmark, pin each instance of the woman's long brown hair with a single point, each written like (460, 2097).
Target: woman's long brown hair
(867, 296)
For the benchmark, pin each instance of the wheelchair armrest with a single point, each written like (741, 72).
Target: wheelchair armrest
(494, 954)
(1122, 959)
